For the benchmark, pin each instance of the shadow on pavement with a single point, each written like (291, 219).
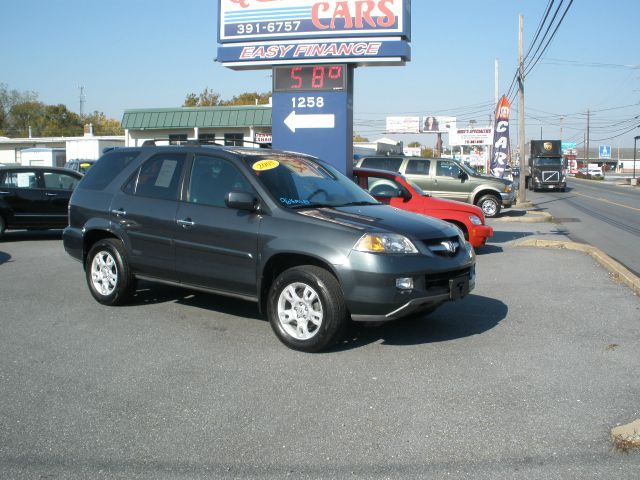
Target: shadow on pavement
(4, 257)
(148, 293)
(31, 235)
(487, 249)
(472, 316)
(504, 237)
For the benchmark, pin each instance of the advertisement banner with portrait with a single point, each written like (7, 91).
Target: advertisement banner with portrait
(437, 124)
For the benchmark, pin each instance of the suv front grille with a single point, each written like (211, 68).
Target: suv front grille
(443, 247)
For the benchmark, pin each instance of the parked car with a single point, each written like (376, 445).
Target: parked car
(79, 165)
(284, 230)
(35, 197)
(450, 179)
(395, 190)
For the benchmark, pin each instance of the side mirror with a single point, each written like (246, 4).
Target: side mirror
(463, 176)
(242, 201)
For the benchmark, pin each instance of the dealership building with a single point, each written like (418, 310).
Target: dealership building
(237, 125)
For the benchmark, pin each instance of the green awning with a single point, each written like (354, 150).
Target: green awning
(200, 117)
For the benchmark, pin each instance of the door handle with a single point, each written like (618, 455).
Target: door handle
(186, 223)
(119, 213)
(48, 194)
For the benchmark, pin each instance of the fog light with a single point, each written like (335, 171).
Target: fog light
(404, 283)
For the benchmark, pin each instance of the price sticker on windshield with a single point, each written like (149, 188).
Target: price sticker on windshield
(263, 165)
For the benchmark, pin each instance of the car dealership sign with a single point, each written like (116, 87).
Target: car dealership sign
(261, 33)
(253, 20)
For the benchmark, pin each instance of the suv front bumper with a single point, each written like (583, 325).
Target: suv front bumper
(508, 198)
(369, 283)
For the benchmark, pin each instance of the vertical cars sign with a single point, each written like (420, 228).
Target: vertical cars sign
(269, 32)
(500, 138)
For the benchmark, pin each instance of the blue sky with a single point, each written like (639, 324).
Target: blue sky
(152, 53)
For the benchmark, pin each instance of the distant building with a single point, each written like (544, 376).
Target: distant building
(248, 125)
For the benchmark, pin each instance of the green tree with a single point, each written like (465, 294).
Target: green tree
(414, 145)
(359, 138)
(103, 125)
(24, 115)
(248, 98)
(8, 99)
(205, 99)
(426, 152)
(58, 121)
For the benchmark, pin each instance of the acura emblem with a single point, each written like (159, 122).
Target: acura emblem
(449, 246)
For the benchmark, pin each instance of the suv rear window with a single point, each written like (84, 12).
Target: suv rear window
(382, 163)
(107, 168)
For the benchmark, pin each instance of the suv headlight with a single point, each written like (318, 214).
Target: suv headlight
(475, 220)
(385, 243)
(507, 188)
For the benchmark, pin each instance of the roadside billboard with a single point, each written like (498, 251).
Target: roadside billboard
(403, 125)
(471, 136)
(437, 124)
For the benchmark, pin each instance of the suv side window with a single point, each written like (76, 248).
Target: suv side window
(158, 177)
(22, 179)
(446, 168)
(383, 163)
(109, 166)
(418, 167)
(212, 178)
(59, 181)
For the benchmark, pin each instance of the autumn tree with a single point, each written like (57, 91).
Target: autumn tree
(209, 98)
(103, 125)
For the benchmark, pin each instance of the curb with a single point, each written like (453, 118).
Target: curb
(626, 437)
(530, 217)
(620, 272)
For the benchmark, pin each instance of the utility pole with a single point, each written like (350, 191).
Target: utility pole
(522, 188)
(587, 141)
(561, 125)
(497, 89)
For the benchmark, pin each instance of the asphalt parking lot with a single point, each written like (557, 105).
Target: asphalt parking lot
(524, 378)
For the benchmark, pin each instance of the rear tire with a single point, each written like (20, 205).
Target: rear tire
(108, 273)
(490, 205)
(306, 308)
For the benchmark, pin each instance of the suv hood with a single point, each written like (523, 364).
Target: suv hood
(494, 179)
(383, 218)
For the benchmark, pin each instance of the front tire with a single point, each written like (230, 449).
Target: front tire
(306, 308)
(108, 273)
(490, 205)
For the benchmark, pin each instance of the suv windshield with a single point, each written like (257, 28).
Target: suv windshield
(300, 182)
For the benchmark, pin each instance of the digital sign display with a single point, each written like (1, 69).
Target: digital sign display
(313, 78)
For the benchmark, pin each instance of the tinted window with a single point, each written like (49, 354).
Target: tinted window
(19, 180)
(159, 177)
(446, 168)
(107, 168)
(419, 167)
(59, 181)
(383, 163)
(211, 180)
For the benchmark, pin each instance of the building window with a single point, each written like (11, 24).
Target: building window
(234, 140)
(177, 139)
(207, 137)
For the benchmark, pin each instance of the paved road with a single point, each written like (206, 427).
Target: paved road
(522, 379)
(602, 214)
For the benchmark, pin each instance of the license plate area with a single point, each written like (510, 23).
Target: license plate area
(458, 287)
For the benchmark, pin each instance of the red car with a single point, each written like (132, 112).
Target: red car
(393, 189)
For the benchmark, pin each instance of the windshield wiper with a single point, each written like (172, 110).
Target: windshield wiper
(311, 205)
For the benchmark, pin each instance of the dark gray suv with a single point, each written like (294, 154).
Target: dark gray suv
(284, 230)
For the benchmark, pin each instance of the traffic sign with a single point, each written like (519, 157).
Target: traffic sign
(605, 151)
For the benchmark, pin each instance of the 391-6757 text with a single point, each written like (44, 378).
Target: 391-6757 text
(267, 27)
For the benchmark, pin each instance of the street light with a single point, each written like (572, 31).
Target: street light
(635, 141)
